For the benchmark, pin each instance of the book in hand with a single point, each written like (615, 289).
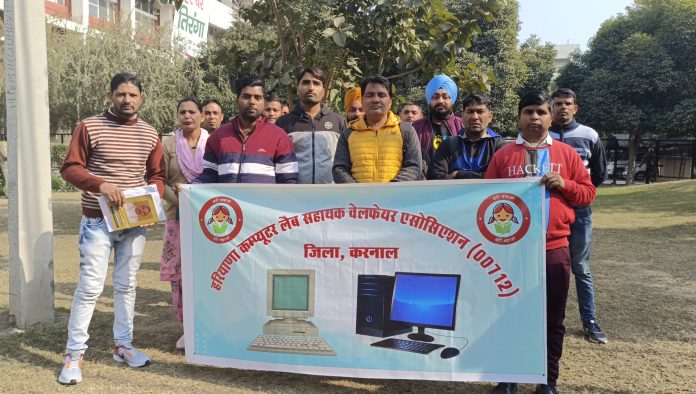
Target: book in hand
(141, 207)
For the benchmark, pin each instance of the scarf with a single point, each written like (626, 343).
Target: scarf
(191, 164)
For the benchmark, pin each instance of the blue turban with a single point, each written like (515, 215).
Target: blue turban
(441, 82)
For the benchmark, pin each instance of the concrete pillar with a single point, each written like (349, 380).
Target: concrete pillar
(80, 12)
(166, 15)
(166, 20)
(128, 13)
(30, 221)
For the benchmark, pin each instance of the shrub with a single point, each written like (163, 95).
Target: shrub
(58, 154)
(59, 185)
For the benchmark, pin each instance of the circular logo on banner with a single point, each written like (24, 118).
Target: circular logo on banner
(503, 218)
(220, 219)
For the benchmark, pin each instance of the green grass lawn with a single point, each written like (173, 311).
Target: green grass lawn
(643, 262)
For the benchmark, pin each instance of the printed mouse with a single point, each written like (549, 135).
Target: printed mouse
(449, 352)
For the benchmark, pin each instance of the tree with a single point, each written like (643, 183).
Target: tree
(275, 39)
(81, 66)
(637, 76)
(539, 65)
(573, 73)
(350, 38)
(495, 53)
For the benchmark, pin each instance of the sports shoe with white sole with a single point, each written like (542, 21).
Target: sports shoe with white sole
(130, 356)
(72, 368)
(594, 332)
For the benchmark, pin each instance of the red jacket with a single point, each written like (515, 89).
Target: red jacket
(509, 162)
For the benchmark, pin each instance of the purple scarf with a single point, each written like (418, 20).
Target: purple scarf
(191, 164)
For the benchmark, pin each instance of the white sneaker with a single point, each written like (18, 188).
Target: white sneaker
(180, 344)
(131, 356)
(72, 368)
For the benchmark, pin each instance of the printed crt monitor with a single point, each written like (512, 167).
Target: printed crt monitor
(290, 293)
(425, 301)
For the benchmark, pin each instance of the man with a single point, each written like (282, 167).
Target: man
(273, 108)
(586, 142)
(441, 123)
(95, 164)
(352, 104)
(212, 115)
(410, 112)
(249, 149)
(377, 147)
(466, 156)
(535, 154)
(313, 128)
(285, 110)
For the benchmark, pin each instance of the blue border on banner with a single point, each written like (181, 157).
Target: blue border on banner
(500, 326)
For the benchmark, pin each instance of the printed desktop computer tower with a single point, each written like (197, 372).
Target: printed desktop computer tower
(374, 307)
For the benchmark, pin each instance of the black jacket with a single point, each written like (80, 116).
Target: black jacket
(469, 158)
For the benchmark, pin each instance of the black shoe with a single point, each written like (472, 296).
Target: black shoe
(594, 332)
(505, 388)
(546, 389)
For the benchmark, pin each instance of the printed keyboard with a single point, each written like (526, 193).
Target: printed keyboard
(408, 346)
(291, 344)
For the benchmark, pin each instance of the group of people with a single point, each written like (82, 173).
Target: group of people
(313, 144)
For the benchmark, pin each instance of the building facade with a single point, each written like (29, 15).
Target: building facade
(563, 54)
(194, 23)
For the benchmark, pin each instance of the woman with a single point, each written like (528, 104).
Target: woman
(183, 157)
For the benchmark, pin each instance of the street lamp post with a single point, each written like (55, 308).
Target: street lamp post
(30, 221)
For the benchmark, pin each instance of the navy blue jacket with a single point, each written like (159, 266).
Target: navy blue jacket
(586, 142)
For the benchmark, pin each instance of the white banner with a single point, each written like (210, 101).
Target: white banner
(191, 26)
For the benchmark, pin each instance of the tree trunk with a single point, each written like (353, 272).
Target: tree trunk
(633, 143)
(283, 46)
(291, 105)
(380, 64)
(329, 84)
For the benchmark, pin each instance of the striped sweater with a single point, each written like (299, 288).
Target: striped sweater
(265, 155)
(105, 148)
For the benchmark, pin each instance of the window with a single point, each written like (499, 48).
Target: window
(147, 6)
(105, 10)
(146, 17)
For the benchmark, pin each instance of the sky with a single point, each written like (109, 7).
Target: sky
(566, 21)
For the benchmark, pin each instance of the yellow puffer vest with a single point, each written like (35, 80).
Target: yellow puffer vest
(376, 156)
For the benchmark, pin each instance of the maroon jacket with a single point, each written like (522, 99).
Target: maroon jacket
(424, 129)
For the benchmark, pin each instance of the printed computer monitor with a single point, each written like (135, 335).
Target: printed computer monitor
(425, 301)
(290, 294)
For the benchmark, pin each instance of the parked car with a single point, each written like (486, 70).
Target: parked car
(620, 169)
(639, 175)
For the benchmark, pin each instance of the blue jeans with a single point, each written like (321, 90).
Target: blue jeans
(95, 245)
(580, 247)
